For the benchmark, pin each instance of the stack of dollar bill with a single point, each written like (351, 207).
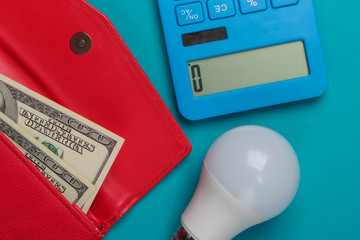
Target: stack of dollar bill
(73, 153)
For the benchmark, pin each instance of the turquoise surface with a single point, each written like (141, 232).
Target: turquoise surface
(323, 131)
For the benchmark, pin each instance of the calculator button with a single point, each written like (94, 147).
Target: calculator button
(283, 3)
(248, 6)
(221, 8)
(189, 13)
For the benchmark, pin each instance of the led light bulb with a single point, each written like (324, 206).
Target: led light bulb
(250, 174)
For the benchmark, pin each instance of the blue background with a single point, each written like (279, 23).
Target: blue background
(324, 132)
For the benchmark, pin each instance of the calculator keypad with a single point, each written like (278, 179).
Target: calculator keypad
(191, 13)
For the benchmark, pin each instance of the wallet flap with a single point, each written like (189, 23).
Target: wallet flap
(105, 85)
(29, 203)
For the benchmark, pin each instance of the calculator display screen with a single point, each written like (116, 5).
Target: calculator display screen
(249, 68)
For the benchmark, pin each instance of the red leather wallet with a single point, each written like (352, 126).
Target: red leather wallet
(105, 85)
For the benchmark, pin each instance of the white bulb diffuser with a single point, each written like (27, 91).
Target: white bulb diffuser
(250, 175)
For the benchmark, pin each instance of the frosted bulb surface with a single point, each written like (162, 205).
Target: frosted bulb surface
(250, 174)
(257, 166)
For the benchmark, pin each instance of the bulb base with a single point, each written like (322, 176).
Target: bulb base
(182, 234)
(215, 214)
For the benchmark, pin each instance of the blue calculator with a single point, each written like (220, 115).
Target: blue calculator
(228, 56)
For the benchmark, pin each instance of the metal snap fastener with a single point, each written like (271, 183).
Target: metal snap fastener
(80, 43)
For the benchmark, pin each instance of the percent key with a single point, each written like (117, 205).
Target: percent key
(248, 6)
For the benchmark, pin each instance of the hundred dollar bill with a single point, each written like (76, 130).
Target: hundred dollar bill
(87, 147)
(74, 187)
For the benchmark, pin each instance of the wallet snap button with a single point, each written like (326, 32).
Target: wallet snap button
(80, 43)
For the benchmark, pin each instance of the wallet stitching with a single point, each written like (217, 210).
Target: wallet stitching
(136, 67)
(20, 157)
(117, 216)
